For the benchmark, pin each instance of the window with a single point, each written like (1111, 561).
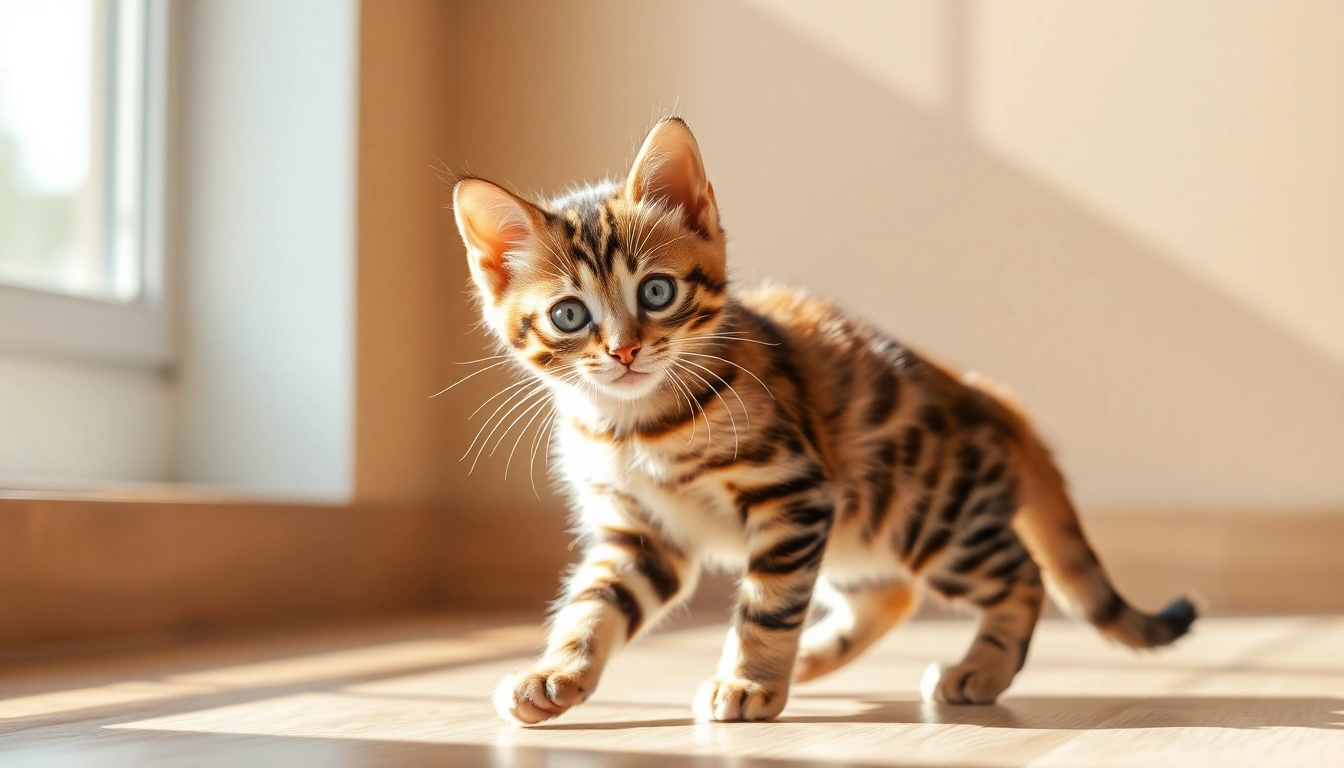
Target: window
(81, 147)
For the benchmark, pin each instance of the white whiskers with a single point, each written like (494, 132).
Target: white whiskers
(735, 365)
(731, 419)
(468, 376)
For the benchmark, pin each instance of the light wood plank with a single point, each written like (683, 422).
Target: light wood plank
(1237, 692)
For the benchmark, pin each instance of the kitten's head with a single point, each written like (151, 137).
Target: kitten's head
(604, 288)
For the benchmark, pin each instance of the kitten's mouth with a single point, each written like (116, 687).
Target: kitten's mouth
(631, 376)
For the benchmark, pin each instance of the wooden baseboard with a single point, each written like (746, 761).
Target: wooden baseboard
(1270, 563)
(72, 571)
(79, 570)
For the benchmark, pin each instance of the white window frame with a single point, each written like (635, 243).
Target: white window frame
(134, 333)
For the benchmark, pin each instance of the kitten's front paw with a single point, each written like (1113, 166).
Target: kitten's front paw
(542, 693)
(735, 699)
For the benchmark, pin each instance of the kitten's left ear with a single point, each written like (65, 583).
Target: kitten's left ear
(669, 167)
(494, 224)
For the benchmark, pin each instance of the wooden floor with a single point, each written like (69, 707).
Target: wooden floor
(1254, 692)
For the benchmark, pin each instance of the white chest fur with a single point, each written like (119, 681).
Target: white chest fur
(699, 517)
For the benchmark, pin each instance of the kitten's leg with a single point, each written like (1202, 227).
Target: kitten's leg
(857, 617)
(628, 580)
(787, 538)
(1010, 603)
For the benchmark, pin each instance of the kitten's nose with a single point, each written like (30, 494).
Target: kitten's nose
(626, 353)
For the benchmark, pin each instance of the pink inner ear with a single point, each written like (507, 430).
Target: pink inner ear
(507, 234)
(492, 223)
(490, 262)
(680, 181)
(669, 167)
(685, 187)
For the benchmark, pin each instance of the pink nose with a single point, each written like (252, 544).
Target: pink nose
(626, 354)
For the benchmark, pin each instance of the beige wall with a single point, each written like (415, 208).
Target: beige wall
(410, 314)
(1132, 214)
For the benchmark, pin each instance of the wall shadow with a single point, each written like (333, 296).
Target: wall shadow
(1158, 388)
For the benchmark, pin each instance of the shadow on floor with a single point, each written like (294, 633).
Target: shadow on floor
(1069, 713)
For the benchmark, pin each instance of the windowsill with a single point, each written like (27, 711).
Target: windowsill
(148, 492)
(73, 327)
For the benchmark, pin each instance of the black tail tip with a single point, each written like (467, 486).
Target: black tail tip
(1178, 616)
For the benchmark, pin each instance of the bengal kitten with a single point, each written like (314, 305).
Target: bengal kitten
(767, 432)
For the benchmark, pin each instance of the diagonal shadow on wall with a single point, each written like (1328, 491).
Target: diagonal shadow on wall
(1158, 389)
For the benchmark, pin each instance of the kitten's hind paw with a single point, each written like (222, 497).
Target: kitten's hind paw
(963, 684)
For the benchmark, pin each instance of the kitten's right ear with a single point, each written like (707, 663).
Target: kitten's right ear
(493, 223)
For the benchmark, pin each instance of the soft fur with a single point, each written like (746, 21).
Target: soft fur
(770, 433)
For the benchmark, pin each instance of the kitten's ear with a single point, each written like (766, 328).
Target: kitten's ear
(493, 222)
(669, 167)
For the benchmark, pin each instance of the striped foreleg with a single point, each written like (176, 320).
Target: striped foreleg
(757, 663)
(628, 580)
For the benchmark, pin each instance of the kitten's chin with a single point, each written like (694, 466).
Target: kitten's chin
(632, 385)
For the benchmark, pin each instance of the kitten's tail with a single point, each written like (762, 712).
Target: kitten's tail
(1048, 524)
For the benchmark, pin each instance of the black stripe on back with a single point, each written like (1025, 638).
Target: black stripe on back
(969, 561)
(886, 396)
(993, 474)
(956, 497)
(1009, 566)
(969, 458)
(933, 544)
(999, 504)
(914, 524)
(932, 418)
(841, 383)
(912, 444)
(880, 479)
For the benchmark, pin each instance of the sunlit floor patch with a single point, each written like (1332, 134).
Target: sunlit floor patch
(1238, 692)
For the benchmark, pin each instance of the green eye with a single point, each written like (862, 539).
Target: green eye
(569, 315)
(657, 292)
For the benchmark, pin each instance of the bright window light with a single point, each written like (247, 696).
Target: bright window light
(72, 147)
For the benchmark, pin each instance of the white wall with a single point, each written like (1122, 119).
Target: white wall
(266, 349)
(1132, 214)
(64, 420)
(260, 396)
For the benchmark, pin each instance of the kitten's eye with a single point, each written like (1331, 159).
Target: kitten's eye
(569, 315)
(657, 292)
